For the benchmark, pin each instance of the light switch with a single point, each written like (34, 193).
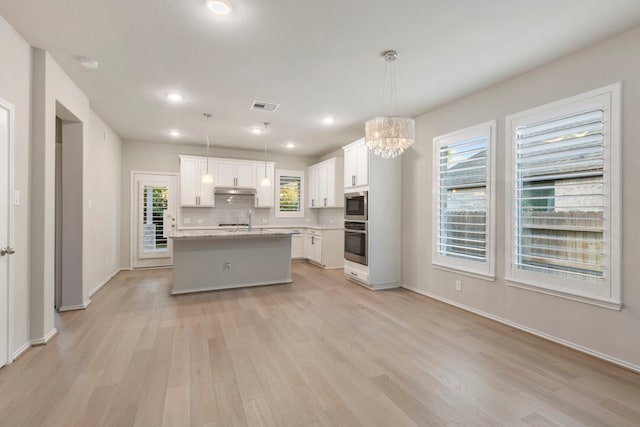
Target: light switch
(16, 198)
(90, 203)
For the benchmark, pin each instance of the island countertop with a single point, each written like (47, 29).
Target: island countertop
(230, 233)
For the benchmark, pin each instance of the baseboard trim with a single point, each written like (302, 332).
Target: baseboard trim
(104, 282)
(26, 346)
(242, 285)
(75, 307)
(44, 340)
(563, 342)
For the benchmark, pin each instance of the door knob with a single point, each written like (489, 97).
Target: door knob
(7, 251)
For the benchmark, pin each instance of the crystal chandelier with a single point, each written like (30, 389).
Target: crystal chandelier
(207, 178)
(388, 135)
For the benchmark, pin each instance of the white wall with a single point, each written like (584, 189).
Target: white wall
(102, 174)
(34, 83)
(15, 88)
(163, 157)
(600, 330)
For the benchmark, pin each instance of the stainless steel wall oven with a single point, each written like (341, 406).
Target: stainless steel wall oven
(355, 241)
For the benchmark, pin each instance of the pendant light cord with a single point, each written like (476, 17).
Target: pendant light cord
(208, 116)
(266, 141)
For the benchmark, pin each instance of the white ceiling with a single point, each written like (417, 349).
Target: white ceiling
(315, 58)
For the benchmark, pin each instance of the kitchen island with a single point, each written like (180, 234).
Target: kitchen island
(206, 260)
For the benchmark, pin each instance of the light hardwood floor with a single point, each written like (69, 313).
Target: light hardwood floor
(322, 351)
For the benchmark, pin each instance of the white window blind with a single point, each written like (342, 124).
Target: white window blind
(154, 203)
(290, 193)
(564, 202)
(462, 199)
(560, 196)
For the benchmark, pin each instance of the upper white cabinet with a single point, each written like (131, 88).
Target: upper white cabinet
(356, 164)
(235, 173)
(264, 194)
(326, 188)
(193, 192)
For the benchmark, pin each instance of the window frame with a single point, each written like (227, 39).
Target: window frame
(608, 294)
(486, 269)
(289, 214)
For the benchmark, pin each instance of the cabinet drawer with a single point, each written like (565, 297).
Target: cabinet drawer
(356, 275)
(312, 232)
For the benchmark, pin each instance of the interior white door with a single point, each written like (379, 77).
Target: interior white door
(154, 212)
(6, 116)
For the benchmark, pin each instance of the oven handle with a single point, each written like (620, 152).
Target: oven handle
(346, 230)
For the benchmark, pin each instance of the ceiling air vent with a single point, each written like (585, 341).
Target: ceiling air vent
(269, 107)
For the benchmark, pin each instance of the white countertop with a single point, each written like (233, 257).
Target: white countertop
(230, 233)
(338, 226)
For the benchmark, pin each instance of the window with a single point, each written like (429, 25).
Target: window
(563, 203)
(464, 220)
(290, 200)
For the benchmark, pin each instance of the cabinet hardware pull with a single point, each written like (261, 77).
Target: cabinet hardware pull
(7, 251)
(325, 201)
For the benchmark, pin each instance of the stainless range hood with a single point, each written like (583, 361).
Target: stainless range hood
(236, 191)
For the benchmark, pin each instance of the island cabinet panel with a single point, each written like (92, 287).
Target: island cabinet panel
(224, 260)
(194, 192)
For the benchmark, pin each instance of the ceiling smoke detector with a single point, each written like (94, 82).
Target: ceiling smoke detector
(269, 107)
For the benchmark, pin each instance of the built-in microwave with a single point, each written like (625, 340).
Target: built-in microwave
(355, 206)
(355, 242)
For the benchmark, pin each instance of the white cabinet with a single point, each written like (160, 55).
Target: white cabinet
(193, 192)
(264, 195)
(356, 164)
(325, 247)
(235, 173)
(381, 178)
(297, 245)
(326, 188)
(313, 186)
(313, 247)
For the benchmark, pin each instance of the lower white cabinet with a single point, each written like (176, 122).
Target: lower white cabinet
(325, 247)
(313, 247)
(297, 245)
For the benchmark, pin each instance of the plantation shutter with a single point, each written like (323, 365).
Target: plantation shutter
(290, 190)
(462, 199)
(559, 196)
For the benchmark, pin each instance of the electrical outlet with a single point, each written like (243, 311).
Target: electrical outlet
(458, 285)
(265, 220)
(200, 221)
(187, 220)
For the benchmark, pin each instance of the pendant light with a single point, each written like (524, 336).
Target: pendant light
(388, 135)
(207, 178)
(265, 180)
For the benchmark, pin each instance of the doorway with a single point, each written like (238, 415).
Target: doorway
(153, 213)
(68, 254)
(6, 249)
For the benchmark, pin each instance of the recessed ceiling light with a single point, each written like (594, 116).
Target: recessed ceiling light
(291, 145)
(328, 120)
(174, 133)
(89, 63)
(219, 7)
(175, 97)
(256, 131)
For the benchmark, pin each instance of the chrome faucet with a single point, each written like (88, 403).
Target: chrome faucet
(250, 222)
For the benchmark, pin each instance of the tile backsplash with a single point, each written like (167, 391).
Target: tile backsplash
(235, 210)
